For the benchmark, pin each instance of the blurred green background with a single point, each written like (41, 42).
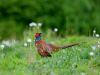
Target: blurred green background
(78, 17)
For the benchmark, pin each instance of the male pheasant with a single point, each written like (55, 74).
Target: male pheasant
(45, 49)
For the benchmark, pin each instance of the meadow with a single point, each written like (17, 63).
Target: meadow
(22, 57)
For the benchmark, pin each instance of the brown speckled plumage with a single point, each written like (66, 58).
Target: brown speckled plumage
(45, 49)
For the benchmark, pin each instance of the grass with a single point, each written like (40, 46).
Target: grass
(20, 60)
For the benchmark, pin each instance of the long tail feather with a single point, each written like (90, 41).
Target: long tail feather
(67, 46)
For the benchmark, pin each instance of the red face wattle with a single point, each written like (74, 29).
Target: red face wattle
(37, 34)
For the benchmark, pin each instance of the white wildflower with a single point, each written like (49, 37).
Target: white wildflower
(56, 29)
(52, 73)
(98, 42)
(91, 53)
(9, 43)
(39, 24)
(32, 24)
(52, 42)
(25, 44)
(2, 46)
(14, 41)
(97, 35)
(29, 40)
(83, 73)
(93, 47)
(99, 46)
(94, 31)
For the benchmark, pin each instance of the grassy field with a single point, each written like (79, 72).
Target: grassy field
(79, 60)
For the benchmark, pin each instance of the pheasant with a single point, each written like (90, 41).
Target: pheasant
(45, 49)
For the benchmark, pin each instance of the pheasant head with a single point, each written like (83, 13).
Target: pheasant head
(38, 36)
